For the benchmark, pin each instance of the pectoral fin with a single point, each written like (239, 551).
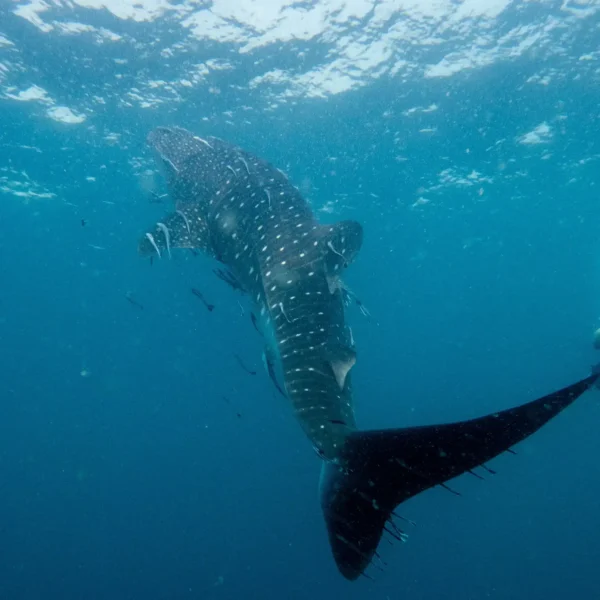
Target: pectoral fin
(176, 230)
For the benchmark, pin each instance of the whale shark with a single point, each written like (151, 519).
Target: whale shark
(245, 213)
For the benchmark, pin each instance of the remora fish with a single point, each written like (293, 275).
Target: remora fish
(244, 212)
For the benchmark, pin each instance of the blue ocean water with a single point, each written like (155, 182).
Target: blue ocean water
(137, 459)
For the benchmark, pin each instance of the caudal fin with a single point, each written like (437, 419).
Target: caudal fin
(381, 469)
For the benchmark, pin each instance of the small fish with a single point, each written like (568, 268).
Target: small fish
(242, 311)
(250, 372)
(270, 367)
(254, 323)
(133, 301)
(83, 222)
(96, 247)
(363, 309)
(237, 414)
(151, 239)
(167, 235)
(349, 295)
(229, 278)
(156, 198)
(245, 164)
(185, 220)
(198, 294)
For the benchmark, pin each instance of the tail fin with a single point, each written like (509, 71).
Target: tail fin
(378, 470)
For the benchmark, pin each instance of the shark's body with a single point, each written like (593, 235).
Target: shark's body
(244, 212)
(250, 216)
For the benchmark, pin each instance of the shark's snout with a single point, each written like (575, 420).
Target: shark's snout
(164, 146)
(172, 147)
(161, 138)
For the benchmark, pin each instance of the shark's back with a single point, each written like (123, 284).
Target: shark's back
(262, 228)
(246, 203)
(245, 212)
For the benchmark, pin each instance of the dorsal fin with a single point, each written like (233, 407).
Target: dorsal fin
(341, 358)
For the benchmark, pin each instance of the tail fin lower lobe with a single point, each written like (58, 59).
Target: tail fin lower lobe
(378, 470)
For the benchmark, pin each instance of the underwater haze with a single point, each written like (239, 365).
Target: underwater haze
(144, 451)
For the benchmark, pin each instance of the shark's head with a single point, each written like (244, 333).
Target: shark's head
(195, 168)
(173, 148)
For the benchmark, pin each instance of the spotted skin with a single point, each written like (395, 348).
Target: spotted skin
(247, 214)
(244, 212)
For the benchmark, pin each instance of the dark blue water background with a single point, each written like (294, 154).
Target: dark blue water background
(124, 472)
